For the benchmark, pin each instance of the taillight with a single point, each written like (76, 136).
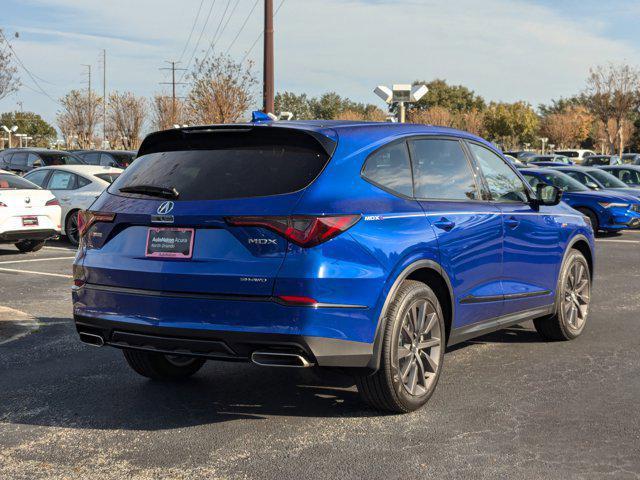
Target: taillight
(3, 204)
(86, 218)
(303, 230)
(52, 202)
(295, 300)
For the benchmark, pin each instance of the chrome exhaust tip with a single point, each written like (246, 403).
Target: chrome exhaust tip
(91, 339)
(280, 359)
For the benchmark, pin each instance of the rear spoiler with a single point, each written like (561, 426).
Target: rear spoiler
(227, 136)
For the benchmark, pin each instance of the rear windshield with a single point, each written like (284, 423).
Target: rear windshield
(60, 159)
(14, 182)
(108, 177)
(232, 172)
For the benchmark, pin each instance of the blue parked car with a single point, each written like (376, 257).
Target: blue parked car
(368, 247)
(598, 179)
(606, 209)
(627, 174)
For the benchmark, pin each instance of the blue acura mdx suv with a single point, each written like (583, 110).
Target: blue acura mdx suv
(368, 247)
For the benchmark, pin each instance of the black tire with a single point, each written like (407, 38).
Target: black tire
(26, 246)
(560, 325)
(592, 216)
(162, 367)
(71, 228)
(386, 389)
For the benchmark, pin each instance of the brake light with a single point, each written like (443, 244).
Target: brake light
(52, 202)
(303, 230)
(3, 204)
(87, 218)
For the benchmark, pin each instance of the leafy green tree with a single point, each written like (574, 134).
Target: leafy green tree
(511, 124)
(299, 105)
(328, 106)
(561, 105)
(33, 125)
(454, 98)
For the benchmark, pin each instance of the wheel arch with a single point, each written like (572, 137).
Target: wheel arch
(581, 243)
(430, 273)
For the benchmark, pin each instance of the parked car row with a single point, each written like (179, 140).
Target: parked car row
(23, 160)
(587, 158)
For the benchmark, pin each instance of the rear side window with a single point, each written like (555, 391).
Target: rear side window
(390, 168)
(19, 159)
(442, 171)
(240, 167)
(91, 158)
(13, 182)
(61, 180)
(108, 177)
(37, 176)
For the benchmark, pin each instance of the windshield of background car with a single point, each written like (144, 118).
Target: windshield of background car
(606, 179)
(60, 159)
(14, 182)
(563, 182)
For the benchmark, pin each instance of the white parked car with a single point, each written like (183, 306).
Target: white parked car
(76, 187)
(29, 215)
(576, 155)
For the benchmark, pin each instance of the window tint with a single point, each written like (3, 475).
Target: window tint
(91, 158)
(60, 159)
(503, 183)
(19, 158)
(82, 182)
(62, 181)
(37, 176)
(34, 160)
(107, 160)
(390, 167)
(12, 182)
(579, 176)
(108, 177)
(629, 177)
(244, 165)
(442, 171)
(606, 179)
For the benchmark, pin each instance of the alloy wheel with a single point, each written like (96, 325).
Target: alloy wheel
(419, 345)
(577, 294)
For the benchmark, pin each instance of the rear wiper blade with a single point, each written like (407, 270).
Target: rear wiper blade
(151, 190)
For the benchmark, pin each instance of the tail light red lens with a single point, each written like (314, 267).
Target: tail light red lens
(86, 218)
(296, 300)
(303, 230)
(52, 202)
(3, 204)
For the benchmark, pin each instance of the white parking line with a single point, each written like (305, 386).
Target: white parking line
(59, 275)
(37, 260)
(617, 241)
(47, 247)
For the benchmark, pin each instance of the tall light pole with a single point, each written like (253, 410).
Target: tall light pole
(401, 94)
(10, 131)
(268, 67)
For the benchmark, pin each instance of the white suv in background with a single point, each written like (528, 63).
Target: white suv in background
(576, 155)
(75, 187)
(29, 215)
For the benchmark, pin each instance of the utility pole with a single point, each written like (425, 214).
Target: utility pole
(173, 84)
(104, 98)
(268, 79)
(89, 84)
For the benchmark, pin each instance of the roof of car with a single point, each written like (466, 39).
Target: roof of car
(131, 152)
(368, 132)
(83, 169)
(35, 149)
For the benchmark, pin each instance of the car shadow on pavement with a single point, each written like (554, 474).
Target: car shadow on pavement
(92, 388)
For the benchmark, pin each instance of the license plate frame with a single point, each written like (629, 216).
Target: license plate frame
(30, 221)
(156, 248)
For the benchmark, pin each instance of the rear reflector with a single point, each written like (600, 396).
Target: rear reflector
(77, 282)
(296, 300)
(52, 202)
(86, 218)
(303, 230)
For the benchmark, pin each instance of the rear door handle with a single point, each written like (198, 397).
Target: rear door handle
(512, 222)
(444, 224)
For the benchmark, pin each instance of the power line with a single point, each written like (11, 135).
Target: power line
(193, 27)
(216, 37)
(260, 35)
(42, 90)
(195, 48)
(242, 27)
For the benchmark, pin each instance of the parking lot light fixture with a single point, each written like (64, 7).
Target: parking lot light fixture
(401, 94)
(10, 131)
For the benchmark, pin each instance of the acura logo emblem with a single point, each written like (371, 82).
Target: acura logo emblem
(27, 200)
(165, 208)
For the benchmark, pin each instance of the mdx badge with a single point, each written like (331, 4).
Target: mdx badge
(262, 241)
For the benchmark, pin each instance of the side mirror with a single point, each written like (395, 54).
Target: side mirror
(548, 195)
(592, 185)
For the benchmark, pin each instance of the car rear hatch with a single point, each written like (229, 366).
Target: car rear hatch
(163, 224)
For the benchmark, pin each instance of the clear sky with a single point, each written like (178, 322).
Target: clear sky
(507, 50)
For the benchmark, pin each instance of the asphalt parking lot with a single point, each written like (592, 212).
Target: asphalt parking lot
(508, 405)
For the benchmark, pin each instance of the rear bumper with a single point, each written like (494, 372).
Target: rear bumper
(225, 329)
(225, 345)
(31, 234)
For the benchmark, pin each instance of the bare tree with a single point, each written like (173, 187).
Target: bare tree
(612, 96)
(163, 116)
(79, 117)
(222, 91)
(433, 116)
(9, 81)
(127, 114)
